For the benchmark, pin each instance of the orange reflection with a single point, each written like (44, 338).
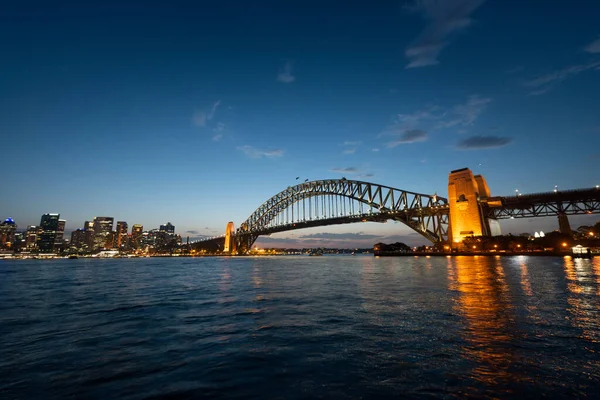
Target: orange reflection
(525, 283)
(484, 304)
(581, 297)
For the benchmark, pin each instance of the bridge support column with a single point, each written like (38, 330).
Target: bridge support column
(230, 242)
(563, 224)
(467, 218)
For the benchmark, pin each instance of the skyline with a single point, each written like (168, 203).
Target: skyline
(197, 115)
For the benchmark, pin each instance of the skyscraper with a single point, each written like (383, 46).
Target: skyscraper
(49, 226)
(60, 232)
(168, 227)
(78, 239)
(102, 232)
(136, 233)
(8, 228)
(88, 241)
(32, 237)
(121, 235)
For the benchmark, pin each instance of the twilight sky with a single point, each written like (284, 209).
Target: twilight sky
(197, 113)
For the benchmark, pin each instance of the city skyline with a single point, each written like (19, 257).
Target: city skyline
(198, 115)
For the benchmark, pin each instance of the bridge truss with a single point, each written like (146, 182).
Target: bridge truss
(567, 202)
(341, 201)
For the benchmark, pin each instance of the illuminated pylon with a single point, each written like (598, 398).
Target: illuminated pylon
(230, 247)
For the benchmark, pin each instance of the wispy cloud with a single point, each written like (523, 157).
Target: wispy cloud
(350, 151)
(253, 152)
(192, 232)
(348, 170)
(217, 137)
(514, 70)
(444, 18)
(593, 47)
(410, 136)
(483, 142)
(201, 117)
(348, 143)
(285, 73)
(545, 83)
(466, 114)
(339, 236)
(367, 175)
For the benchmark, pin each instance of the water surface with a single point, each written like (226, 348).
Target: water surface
(300, 327)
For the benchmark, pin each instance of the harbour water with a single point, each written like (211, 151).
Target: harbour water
(300, 327)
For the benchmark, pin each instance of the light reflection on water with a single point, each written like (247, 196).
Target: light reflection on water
(300, 327)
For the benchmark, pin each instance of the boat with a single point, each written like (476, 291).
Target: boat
(73, 257)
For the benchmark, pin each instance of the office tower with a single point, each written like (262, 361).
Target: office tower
(60, 232)
(32, 237)
(78, 239)
(121, 235)
(49, 226)
(168, 227)
(103, 232)
(136, 233)
(8, 228)
(88, 241)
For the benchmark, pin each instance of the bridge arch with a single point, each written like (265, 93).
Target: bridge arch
(339, 201)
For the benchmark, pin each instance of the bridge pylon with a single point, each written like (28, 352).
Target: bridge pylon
(467, 218)
(230, 246)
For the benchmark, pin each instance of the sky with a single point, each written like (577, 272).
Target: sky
(196, 113)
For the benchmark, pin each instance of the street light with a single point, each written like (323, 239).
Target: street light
(555, 188)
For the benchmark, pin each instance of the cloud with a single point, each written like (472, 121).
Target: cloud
(466, 114)
(483, 142)
(192, 232)
(351, 143)
(593, 47)
(375, 150)
(340, 236)
(444, 18)
(349, 170)
(349, 151)
(217, 137)
(253, 152)
(514, 70)
(544, 83)
(201, 117)
(367, 175)
(410, 136)
(285, 74)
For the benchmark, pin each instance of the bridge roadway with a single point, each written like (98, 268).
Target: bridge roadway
(562, 202)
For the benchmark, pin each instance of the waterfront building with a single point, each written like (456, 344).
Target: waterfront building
(168, 227)
(121, 235)
(137, 231)
(8, 228)
(88, 228)
(78, 239)
(102, 232)
(60, 233)
(49, 226)
(32, 237)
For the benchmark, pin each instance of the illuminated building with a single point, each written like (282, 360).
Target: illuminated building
(32, 236)
(137, 231)
(8, 228)
(88, 241)
(168, 227)
(103, 232)
(121, 235)
(78, 239)
(60, 232)
(49, 226)
(465, 192)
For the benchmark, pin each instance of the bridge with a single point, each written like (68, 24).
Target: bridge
(469, 211)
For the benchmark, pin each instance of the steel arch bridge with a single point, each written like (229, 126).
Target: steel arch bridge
(342, 201)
